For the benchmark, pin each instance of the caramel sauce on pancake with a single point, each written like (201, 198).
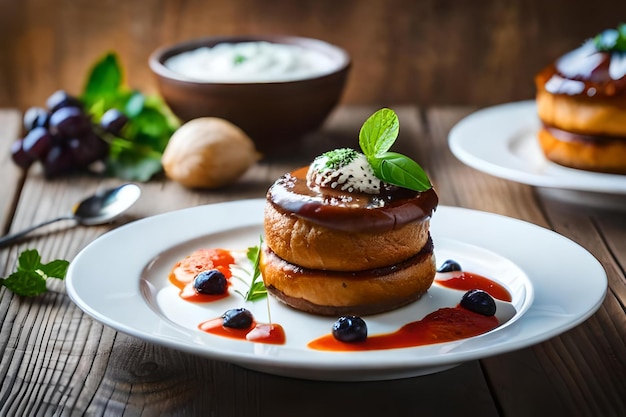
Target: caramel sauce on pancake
(586, 72)
(351, 212)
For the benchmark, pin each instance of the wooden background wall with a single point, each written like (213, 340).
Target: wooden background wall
(477, 52)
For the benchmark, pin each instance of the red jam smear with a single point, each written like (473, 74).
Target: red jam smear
(443, 325)
(269, 333)
(185, 270)
(470, 281)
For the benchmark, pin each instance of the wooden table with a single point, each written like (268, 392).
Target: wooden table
(56, 360)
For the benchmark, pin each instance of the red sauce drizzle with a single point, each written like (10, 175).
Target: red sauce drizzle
(271, 333)
(188, 293)
(185, 270)
(469, 281)
(444, 325)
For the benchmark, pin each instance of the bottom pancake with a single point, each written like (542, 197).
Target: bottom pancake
(600, 154)
(361, 293)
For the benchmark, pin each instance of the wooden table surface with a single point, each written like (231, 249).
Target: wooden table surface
(57, 361)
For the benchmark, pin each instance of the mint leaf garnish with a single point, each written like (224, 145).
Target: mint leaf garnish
(30, 276)
(611, 40)
(377, 135)
(379, 132)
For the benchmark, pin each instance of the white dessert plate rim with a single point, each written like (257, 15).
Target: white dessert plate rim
(113, 280)
(501, 141)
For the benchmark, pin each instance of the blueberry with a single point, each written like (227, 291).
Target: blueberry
(479, 302)
(237, 318)
(350, 329)
(449, 266)
(210, 282)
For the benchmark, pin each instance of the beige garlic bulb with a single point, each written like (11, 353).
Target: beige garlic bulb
(208, 152)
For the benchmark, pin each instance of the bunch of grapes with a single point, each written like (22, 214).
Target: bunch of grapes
(63, 137)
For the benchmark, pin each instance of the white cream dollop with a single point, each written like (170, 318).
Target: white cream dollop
(343, 170)
(245, 62)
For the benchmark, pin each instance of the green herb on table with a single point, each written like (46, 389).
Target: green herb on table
(377, 135)
(136, 156)
(256, 287)
(30, 276)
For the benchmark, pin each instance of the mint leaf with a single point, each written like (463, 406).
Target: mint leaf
(104, 80)
(611, 40)
(402, 171)
(136, 155)
(30, 276)
(55, 269)
(28, 260)
(377, 135)
(25, 283)
(379, 132)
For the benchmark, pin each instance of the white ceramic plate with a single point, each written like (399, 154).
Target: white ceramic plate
(501, 141)
(121, 280)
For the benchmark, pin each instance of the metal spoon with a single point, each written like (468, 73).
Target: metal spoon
(100, 208)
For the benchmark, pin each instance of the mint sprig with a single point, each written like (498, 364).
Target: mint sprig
(30, 276)
(377, 135)
(137, 155)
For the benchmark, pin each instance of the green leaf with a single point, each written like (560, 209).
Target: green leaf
(379, 132)
(611, 40)
(402, 171)
(30, 276)
(257, 288)
(55, 269)
(25, 283)
(134, 165)
(377, 135)
(135, 156)
(29, 260)
(104, 81)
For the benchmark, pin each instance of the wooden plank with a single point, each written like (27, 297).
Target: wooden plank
(403, 51)
(580, 372)
(55, 360)
(10, 129)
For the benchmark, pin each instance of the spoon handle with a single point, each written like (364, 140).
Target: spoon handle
(8, 239)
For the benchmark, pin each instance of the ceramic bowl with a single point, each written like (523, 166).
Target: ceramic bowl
(275, 114)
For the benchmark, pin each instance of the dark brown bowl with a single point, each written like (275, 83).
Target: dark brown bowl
(274, 114)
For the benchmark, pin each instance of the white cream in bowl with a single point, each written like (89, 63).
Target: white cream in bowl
(255, 61)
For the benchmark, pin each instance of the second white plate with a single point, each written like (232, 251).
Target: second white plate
(501, 141)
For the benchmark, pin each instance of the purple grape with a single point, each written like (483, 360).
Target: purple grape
(35, 117)
(113, 121)
(70, 122)
(19, 156)
(88, 149)
(60, 99)
(59, 160)
(37, 143)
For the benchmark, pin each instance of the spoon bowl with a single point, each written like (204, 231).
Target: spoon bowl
(106, 205)
(102, 207)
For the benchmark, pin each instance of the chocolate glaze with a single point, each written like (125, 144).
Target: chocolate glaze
(586, 72)
(566, 136)
(350, 212)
